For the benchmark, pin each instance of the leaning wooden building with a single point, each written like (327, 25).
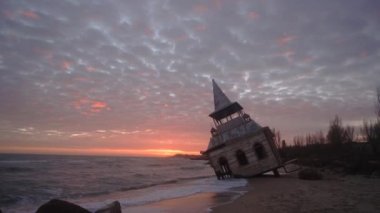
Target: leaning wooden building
(239, 147)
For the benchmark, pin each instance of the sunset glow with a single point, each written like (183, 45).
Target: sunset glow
(134, 77)
(99, 151)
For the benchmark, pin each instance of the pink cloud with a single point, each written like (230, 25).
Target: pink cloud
(30, 14)
(82, 79)
(288, 54)
(217, 4)
(65, 65)
(45, 53)
(181, 38)
(200, 27)
(97, 106)
(363, 54)
(285, 39)
(8, 14)
(253, 15)
(200, 8)
(90, 68)
(87, 106)
(308, 59)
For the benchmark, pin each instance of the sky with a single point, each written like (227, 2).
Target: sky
(134, 77)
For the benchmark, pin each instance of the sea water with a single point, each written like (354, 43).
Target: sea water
(27, 181)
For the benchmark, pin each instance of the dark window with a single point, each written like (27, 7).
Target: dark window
(260, 151)
(223, 163)
(242, 159)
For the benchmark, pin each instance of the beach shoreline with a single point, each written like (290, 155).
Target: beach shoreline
(201, 202)
(288, 193)
(202, 195)
(335, 193)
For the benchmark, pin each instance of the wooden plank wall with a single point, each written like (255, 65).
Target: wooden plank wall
(255, 166)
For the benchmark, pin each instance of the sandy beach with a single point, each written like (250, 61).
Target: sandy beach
(289, 194)
(195, 203)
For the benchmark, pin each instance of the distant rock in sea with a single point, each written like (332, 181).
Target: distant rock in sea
(191, 157)
(60, 206)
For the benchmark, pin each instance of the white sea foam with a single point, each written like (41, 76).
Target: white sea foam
(170, 191)
(28, 181)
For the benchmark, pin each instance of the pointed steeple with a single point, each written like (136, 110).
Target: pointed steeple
(220, 99)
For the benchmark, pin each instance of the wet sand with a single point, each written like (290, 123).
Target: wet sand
(335, 193)
(289, 194)
(195, 203)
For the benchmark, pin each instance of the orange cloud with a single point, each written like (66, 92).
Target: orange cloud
(98, 106)
(87, 106)
(285, 40)
(95, 151)
(79, 103)
(30, 14)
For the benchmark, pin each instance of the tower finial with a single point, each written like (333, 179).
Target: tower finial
(220, 99)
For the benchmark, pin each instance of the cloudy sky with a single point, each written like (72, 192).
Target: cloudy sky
(134, 77)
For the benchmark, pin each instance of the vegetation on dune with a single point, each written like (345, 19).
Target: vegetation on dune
(344, 148)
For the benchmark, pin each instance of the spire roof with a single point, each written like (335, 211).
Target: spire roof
(223, 106)
(220, 99)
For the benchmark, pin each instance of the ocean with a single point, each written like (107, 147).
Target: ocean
(27, 181)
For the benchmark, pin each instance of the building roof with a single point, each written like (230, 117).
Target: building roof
(223, 106)
(226, 111)
(220, 99)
